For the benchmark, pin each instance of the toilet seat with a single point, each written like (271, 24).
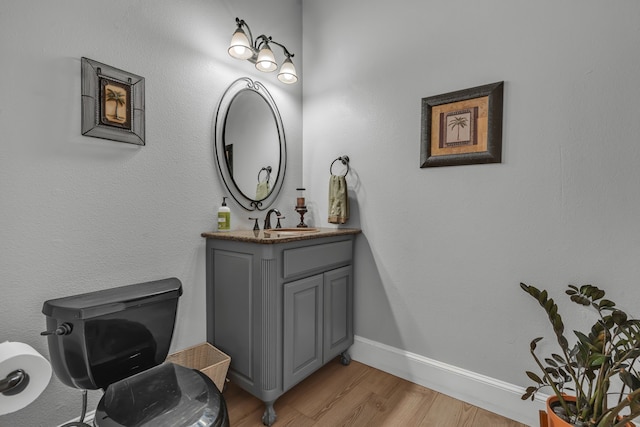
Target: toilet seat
(166, 395)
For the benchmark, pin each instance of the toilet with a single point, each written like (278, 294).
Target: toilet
(117, 340)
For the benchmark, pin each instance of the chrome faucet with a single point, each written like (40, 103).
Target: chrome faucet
(267, 219)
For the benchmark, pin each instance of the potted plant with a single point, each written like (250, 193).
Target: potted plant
(595, 382)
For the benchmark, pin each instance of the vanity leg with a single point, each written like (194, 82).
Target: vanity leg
(345, 358)
(269, 417)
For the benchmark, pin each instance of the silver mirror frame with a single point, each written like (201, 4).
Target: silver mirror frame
(238, 86)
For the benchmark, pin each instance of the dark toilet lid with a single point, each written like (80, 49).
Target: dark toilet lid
(166, 395)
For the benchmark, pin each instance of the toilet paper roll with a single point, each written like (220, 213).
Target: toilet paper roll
(17, 355)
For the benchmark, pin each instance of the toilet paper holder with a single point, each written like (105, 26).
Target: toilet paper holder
(14, 383)
(24, 375)
(17, 380)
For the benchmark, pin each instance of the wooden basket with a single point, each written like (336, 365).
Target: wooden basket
(205, 358)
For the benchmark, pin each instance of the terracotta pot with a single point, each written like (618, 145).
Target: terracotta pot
(554, 421)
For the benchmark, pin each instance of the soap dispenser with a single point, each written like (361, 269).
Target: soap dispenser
(224, 216)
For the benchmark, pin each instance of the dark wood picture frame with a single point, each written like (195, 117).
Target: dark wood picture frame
(112, 103)
(462, 127)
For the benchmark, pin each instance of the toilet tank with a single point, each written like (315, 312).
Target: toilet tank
(98, 338)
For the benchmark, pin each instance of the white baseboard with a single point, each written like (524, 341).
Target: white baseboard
(479, 390)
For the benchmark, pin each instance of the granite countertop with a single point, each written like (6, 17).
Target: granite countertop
(278, 235)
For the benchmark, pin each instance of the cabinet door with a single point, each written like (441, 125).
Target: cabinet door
(302, 352)
(338, 312)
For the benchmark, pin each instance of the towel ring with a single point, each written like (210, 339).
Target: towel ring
(268, 170)
(344, 160)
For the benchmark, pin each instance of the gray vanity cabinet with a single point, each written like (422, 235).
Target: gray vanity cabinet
(280, 310)
(317, 322)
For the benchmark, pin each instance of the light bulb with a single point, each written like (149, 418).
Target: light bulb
(288, 72)
(266, 61)
(240, 47)
(239, 51)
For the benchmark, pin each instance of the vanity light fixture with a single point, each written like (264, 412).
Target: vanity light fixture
(259, 52)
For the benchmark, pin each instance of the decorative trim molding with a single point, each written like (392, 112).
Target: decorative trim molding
(269, 323)
(479, 390)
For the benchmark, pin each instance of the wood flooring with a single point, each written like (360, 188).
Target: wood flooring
(359, 395)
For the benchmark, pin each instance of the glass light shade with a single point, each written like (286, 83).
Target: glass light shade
(288, 72)
(266, 61)
(240, 46)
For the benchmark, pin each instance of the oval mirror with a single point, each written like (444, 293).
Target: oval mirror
(250, 146)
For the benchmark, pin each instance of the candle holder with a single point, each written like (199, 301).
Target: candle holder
(301, 211)
(301, 207)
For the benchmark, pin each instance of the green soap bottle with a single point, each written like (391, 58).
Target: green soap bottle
(224, 216)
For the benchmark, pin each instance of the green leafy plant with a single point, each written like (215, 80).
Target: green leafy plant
(609, 350)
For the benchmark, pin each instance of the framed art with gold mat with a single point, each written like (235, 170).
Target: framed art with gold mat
(462, 127)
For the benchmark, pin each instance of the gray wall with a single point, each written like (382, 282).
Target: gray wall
(444, 249)
(79, 214)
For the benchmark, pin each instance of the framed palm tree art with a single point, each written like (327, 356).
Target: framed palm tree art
(115, 96)
(112, 103)
(462, 127)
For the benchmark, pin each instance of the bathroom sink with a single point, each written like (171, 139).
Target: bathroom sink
(289, 232)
